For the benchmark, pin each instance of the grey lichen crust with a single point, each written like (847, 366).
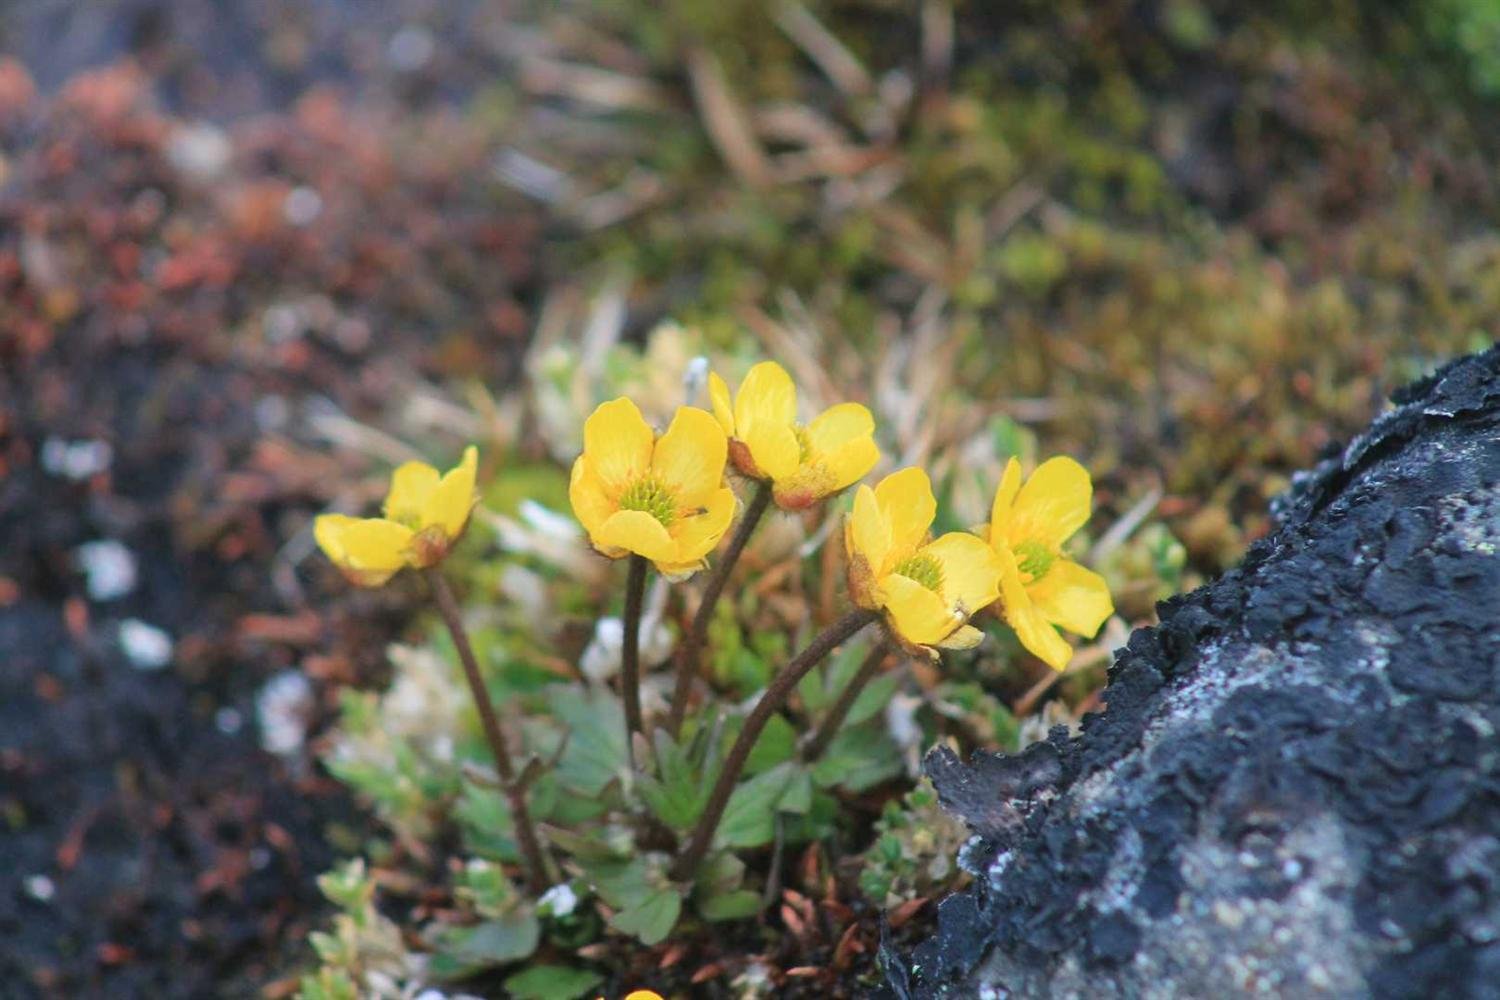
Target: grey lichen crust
(1295, 788)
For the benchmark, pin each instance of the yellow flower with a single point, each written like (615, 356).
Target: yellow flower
(804, 464)
(663, 498)
(1039, 586)
(927, 589)
(425, 515)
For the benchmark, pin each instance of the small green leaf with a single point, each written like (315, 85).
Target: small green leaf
(748, 818)
(682, 786)
(585, 848)
(722, 872)
(552, 982)
(652, 919)
(484, 817)
(777, 743)
(462, 951)
(813, 691)
(873, 699)
(730, 905)
(623, 883)
(859, 757)
(797, 798)
(596, 753)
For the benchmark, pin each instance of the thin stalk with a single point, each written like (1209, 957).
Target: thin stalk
(630, 654)
(776, 695)
(692, 643)
(846, 699)
(526, 838)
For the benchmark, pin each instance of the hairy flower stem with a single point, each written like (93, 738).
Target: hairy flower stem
(846, 699)
(526, 838)
(692, 643)
(776, 695)
(630, 653)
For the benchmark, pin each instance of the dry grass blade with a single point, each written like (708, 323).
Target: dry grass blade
(727, 123)
(937, 45)
(824, 48)
(344, 432)
(592, 85)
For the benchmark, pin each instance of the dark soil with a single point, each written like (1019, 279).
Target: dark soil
(189, 323)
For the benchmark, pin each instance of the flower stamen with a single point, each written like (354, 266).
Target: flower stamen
(924, 569)
(1034, 559)
(649, 495)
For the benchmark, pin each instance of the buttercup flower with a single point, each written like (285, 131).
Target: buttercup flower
(663, 498)
(1039, 586)
(804, 464)
(926, 589)
(425, 515)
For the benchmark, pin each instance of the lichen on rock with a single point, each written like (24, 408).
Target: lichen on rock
(1295, 787)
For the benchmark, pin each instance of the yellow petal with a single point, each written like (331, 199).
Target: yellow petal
(907, 502)
(1053, 504)
(697, 536)
(765, 415)
(454, 498)
(368, 549)
(971, 570)
(1005, 498)
(773, 447)
(868, 534)
(411, 485)
(617, 444)
(718, 397)
(1031, 627)
(1072, 597)
(850, 463)
(638, 532)
(917, 614)
(966, 637)
(591, 505)
(767, 396)
(838, 426)
(689, 458)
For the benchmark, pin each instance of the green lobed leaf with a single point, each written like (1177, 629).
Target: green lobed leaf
(596, 752)
(652, 919)
(776, 744)
(552, 982)
(873, 699)
(463, 951)
(858, 758)
(485, 820)
(749, 818)
(734, 905)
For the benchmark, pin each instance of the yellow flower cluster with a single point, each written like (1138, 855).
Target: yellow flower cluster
(425, 515)
(805, 465)
(664, 497)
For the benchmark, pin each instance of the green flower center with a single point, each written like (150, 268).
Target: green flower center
(649, 495)
(924, 569)
(1034, 559)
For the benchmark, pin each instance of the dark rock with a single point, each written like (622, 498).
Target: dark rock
(1295, 788)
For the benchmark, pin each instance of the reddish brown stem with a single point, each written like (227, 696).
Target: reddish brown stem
(692, 643)
(829, 728)
(775, 696)
(526, 838)
(630, 653)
